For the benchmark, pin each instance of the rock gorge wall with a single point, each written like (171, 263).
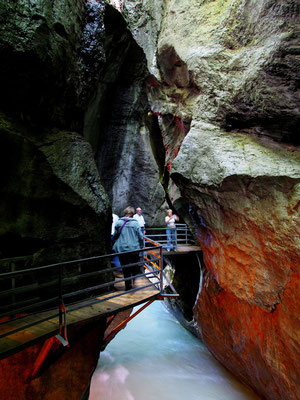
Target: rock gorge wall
(225, 92)
(53, 205)
(124, 141)
(68, 70)
(68, 82)
(220, 110)
(65, 374)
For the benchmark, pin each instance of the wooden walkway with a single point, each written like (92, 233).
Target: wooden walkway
(183, 248)
(45, 324)
(18, 334)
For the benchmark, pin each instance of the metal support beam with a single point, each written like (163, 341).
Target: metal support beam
(42, 356)
(123, 323)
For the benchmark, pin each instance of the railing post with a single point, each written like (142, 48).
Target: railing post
(60, 293)
(60, 283)
(62, 312)
(13, 282)
(161, 265)
(186, 234)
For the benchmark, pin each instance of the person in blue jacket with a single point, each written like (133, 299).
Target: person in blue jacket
(129, 238)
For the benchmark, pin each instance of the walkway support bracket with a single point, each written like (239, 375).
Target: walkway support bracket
(123, 323)
(47, 346)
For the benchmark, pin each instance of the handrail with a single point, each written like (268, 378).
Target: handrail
(183, 235)
(24, 271)
(160, 259)
(61, 283)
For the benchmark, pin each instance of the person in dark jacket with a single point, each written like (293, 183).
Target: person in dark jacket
(130, 238)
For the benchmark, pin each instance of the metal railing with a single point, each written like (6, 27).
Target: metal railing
(184, 235)
(51, 287)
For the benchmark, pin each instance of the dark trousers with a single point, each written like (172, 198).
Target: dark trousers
(130, 271)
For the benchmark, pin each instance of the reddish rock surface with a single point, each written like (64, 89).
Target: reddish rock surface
(226, 95)
(69, 371)
(248, 228)
(261, 347)
(67, 378)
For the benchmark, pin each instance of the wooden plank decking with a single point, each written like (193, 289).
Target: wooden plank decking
(183, 248)
(89, 310)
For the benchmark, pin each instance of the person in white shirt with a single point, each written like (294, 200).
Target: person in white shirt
(115, 219)
(140, 219)
(115, 260)
(171, 230)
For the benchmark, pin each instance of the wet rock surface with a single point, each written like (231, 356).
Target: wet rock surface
(40, 47)
(260, 347)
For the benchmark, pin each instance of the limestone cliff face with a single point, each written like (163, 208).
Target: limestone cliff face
(225, 92)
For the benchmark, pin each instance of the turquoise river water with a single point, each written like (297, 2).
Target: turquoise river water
(155, 358)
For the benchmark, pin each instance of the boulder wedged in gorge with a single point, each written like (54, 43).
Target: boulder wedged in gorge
(229, 71)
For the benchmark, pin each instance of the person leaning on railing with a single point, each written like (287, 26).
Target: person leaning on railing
(130, 238)
(171, 230)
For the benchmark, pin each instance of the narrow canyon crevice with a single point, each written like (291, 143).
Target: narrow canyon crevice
(185, 274)
(123, 132)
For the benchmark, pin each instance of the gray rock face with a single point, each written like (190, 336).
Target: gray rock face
(123, 139)
(209, 155)
(92, 55)
(41, 47)
(53, 203)
(145, 19)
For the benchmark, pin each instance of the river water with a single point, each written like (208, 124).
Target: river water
(155, 358)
